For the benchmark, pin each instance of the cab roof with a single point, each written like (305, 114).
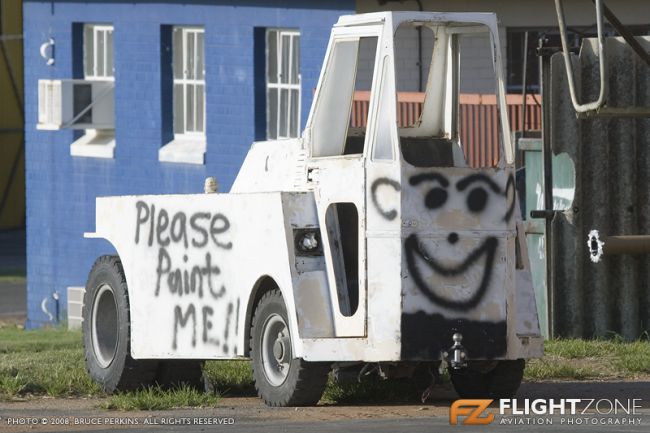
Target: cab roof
(396, 18)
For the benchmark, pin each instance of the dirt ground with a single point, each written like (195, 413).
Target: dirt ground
(252, 410)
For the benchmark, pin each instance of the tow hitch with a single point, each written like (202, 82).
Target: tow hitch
(456, 356)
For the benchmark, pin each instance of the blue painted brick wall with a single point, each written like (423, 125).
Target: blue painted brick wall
(61, 189)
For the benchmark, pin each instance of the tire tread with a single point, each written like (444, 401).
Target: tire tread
(308, 378)
(135, 373)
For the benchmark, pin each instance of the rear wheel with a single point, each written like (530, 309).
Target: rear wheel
(281, 379)
(106, 330)
(477, 381)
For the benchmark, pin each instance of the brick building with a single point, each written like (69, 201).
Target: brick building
(190, 93)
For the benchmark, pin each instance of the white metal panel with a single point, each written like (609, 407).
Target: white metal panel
(272, 166)
(191, 262)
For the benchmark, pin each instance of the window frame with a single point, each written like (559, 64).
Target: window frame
(185, 82)
(97, 28)
(341, 34)
(294, 36)
(96, 143)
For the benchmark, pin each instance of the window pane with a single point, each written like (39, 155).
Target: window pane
(384, 134)
(189, 108)
(295, 60)
(178, 109)
(332, 115)
(89, 42)
(295, 109)
(272, 114)
(177, 53)
(100, 72)
(190, 55)
(110, 68)
(284, 106)
(284, 73)
(200, 108)
(200, 52)
(272, 56)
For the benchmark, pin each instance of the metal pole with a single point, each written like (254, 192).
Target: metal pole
(626, 34)
(545, 61)
(602, 95)
(603, 245)
(524, 86)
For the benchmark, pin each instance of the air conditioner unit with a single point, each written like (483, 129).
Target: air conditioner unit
(76, 104)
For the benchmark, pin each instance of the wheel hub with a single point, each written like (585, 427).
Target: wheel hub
(104, 326)
(275, 349)
(278, 350)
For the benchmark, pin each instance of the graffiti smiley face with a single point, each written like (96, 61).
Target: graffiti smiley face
(480, 193)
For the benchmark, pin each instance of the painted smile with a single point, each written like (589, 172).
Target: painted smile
(414, 249)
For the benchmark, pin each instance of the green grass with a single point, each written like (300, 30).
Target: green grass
(155, 398)
(635, 358)
(554, 369)
(19, 342)
(12, 277)
(43, 362)
(374, 391)
(581, 348)
(590, 359)
(49, 362)
(231, 377)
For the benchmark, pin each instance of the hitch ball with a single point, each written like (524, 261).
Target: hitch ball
(457, 356)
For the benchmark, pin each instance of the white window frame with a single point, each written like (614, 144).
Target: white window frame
(97, 143)
(97, 29)
(187, 146)
(294, 36)
(185, 81)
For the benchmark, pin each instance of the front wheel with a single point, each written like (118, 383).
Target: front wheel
(281, 379)
(500, 381)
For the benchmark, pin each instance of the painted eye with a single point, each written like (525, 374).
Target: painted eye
(435, 198)
(477, 199)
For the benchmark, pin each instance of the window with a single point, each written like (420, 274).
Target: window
(338, 129)
(98, 65)
(282, 84)
(189, 81)
(188, 71)
(98, 52)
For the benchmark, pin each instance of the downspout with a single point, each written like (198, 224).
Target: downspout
(420, 78)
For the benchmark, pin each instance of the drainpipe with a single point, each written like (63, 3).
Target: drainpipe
(524, 86)
(420, 77)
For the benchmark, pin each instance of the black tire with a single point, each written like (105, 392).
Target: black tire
(176, 373)
(106, 330)
(502, 381)
(304, 382)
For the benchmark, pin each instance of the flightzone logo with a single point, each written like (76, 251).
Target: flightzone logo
(472, 411)
(563, 411)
